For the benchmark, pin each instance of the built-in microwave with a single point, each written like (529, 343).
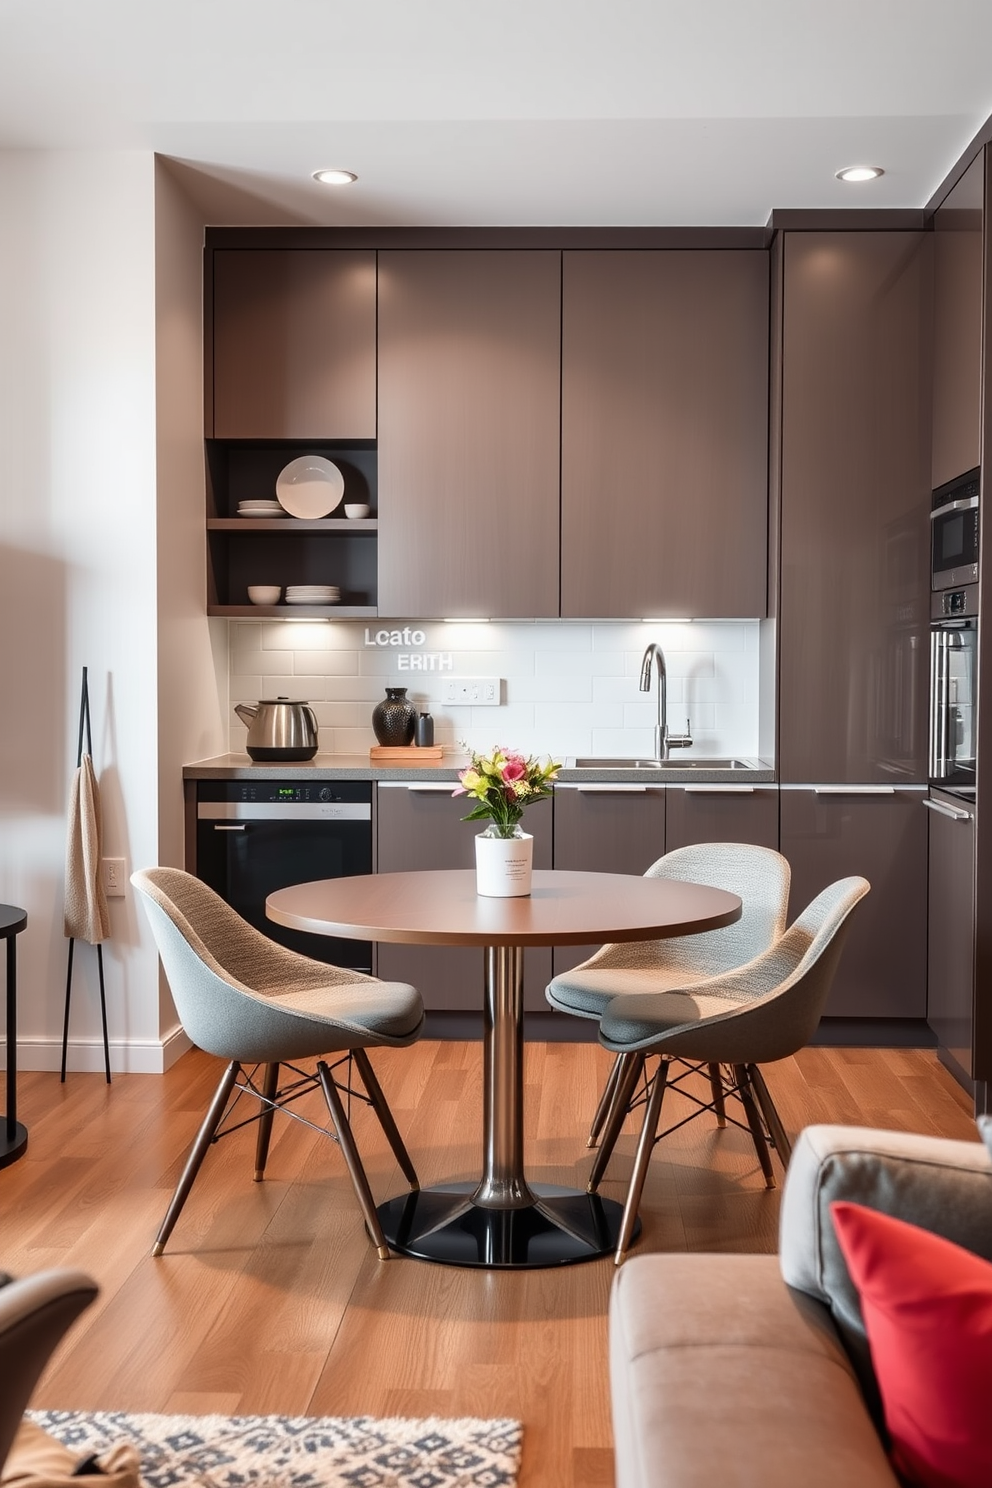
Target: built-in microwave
(954, 533)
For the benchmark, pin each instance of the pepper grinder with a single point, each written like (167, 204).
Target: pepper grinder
(424, 731)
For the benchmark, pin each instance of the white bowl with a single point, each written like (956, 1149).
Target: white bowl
(264, 593)
(356, 509)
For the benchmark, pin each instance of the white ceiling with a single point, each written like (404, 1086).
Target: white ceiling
(596, 112)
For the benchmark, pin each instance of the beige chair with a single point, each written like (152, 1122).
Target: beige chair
(255, 1003)
(759, 875)
(35, 1311)
(764, 1011)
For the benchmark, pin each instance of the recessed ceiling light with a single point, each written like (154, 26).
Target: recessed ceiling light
(335, 177)
(860, 173)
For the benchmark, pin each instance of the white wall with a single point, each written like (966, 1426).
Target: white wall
(567, 688)
(77, 573)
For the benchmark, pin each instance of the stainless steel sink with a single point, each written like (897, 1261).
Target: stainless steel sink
(699, 762)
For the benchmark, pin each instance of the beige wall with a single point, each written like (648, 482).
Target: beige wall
(79, 467)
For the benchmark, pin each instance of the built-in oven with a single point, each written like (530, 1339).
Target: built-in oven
(953, 695)
(253, 837)
(954, 533)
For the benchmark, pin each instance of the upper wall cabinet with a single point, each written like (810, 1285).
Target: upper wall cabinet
(664, 433)
(469, 409)
(854, 611)
(293, 344)
(957, 341)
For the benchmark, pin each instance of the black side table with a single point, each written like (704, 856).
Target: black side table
(13, 1136)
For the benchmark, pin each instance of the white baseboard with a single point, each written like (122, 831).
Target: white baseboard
(85, 1056)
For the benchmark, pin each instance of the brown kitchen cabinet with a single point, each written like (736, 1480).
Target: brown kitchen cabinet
(951, 926)
(469, 404)
(664, 433)
(855, 486)
(957, 319)
(293, 344)
(831, 832)
(419, 826)
(721, 813)
(605, 829)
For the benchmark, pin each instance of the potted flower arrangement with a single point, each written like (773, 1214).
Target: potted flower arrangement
(502, 785)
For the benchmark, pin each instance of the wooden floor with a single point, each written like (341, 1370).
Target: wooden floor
(269, 1298)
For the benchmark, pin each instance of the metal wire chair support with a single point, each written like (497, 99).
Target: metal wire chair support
(284, 1095)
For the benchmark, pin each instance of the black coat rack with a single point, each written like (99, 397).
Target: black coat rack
(84, 724)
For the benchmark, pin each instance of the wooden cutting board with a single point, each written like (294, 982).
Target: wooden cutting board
(409, 754)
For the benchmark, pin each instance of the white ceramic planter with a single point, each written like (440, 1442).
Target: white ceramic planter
(503, 865)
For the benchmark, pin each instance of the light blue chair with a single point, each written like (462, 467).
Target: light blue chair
(252, 1002)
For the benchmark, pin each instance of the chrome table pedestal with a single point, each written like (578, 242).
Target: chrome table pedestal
(502, 1221)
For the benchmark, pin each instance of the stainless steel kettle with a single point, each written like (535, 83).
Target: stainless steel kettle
(279, 729)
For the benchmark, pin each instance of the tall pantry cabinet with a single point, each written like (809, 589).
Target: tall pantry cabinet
(854, 416)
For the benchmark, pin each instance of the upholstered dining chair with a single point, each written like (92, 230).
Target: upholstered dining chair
(761, 1012)
(35, 1312)
(759, 875)
(254, 1003)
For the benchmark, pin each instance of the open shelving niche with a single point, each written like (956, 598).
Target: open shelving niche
(289, 550)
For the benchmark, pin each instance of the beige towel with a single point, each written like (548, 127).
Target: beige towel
(86, 914)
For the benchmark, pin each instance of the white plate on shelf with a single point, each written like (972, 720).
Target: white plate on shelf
(312, 599)
(310, 487)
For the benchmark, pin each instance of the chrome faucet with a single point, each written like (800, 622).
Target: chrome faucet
(663, 740)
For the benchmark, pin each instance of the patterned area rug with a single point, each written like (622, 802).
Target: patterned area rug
(300, 1451)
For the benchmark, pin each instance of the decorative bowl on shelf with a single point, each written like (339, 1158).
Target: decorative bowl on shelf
(356, 509)
(264, 594)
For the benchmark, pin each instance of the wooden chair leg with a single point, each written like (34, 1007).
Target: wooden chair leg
(270, 1085)
(645, 1147)
(754, 1122)
(352, 1159)
(624, 1094)
(364, 1066)
(716, 1088)
(197, 1153)
(605, 1100)
(773, 1120)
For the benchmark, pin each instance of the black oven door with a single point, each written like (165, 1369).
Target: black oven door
(246, 851)
(953, 677)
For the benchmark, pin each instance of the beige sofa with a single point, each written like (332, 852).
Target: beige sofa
(748, 1370)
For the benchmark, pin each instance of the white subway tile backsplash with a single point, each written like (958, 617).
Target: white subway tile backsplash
(325, 663)
(569, 688)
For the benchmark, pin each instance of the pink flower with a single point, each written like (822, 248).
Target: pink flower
(514, 768)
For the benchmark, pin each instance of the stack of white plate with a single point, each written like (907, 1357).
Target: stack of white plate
(260, 509)
(312, 594)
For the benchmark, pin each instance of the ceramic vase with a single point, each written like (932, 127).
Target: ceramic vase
(394, 719)
(503, 865)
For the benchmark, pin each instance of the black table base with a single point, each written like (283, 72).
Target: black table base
(12, 1143)
(562, 1227)
(13, 1135)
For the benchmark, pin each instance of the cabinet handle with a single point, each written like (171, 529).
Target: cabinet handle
(854, 790)
(715, 790)
(424, 788)
(954, 812)
(230, 826)
(604, 789)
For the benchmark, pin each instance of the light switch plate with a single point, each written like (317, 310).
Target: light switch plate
(472, 692)
(113, 878)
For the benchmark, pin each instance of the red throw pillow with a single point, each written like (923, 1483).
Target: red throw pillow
(927, 1308)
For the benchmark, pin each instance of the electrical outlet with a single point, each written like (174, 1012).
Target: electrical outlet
(113, 878)
(472, 692)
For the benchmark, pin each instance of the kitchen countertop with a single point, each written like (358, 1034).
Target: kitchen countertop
(357, 767)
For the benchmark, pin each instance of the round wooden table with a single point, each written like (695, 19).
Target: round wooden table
(501, 1220)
